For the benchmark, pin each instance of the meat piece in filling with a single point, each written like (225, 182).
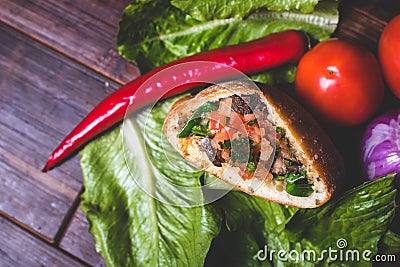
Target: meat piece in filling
(237, 131)
(233, 136)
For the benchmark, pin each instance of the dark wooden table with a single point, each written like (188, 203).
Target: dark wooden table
(58, 59)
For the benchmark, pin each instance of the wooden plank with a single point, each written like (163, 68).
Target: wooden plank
(84, 30)
(79, 242)
(363, 21)
(19, 248)
(43, 95)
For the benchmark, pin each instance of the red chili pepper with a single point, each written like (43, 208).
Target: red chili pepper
(252, 57)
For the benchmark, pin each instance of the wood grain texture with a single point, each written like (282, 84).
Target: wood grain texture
(78, 241)
(57, 61)
(84, 30)
(43, 95)
(362, 21)
(32, 252)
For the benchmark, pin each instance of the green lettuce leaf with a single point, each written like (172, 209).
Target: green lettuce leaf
(251, 222)
(355, 221)
(155, 38)
(389, 243)
(213, 9)
(359, 218)
(130, 227)
(235, 249)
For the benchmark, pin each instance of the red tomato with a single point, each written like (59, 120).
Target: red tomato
(340, 82)
(217, 122)
(389, 54)
(221, 136)
(246, 175)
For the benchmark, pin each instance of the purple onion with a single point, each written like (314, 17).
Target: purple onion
(381, 145)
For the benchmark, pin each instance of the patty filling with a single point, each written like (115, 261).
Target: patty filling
(235, 130)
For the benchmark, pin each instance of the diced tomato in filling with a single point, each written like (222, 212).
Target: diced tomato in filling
(238, 126)
(233, 136)
(246, 174)
(249, 117)
(217, 122)
(254, 134)
(221, 136)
